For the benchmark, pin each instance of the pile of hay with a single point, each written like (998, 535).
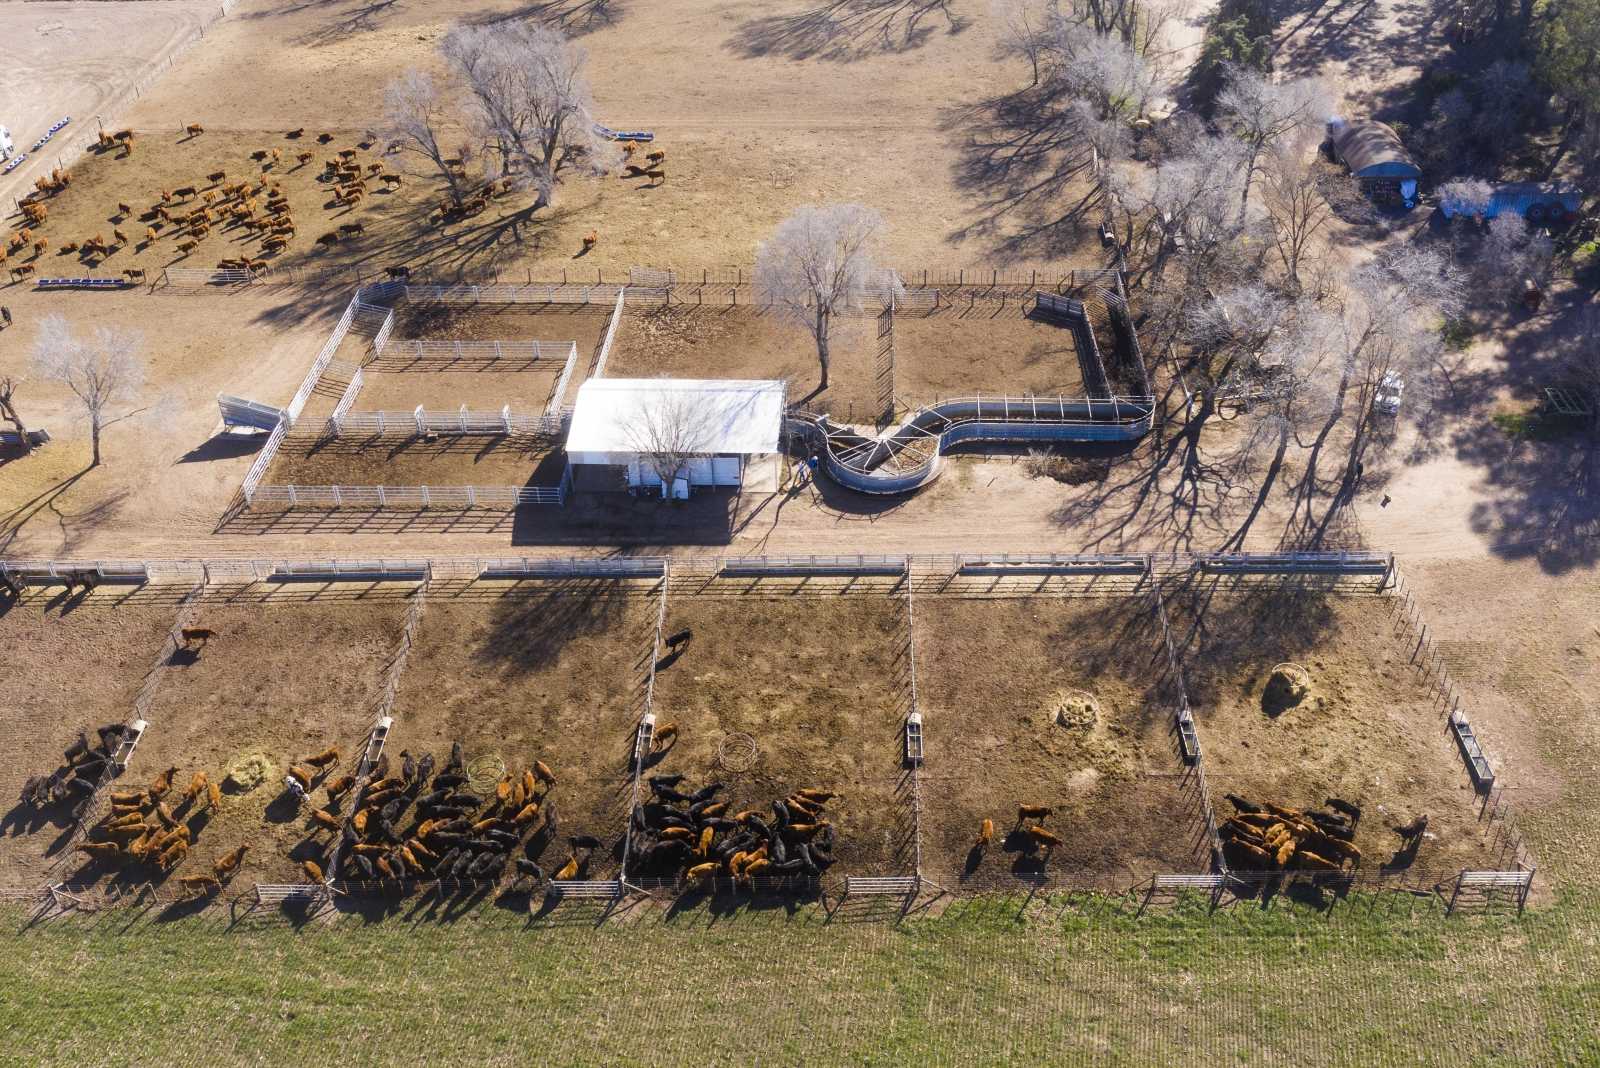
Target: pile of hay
(247, 771)
(1287, 687)
(1075, 709)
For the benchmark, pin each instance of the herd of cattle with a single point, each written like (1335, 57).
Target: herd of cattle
(1269, 838)
(151, 828)
(692, 833)
(83, 766)
(416, 822)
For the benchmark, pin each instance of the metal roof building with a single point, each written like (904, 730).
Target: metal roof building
(717, 424)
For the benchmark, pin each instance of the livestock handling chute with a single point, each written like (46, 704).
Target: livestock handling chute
(906, 458)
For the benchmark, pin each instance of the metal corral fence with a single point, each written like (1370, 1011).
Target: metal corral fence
(320, 364)
(877, 465)
(381, 338)
(258, 470)
(666, 284)
(347, 400)
(462, 422)
(611, 335)
(441, 355)
(414, 498)
(534, 293)
(1370, 567)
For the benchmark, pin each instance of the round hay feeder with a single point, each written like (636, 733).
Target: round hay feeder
(1075, 710)
(737, 752)
(484, 772)
(1287, 686)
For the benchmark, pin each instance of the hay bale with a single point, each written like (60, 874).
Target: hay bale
(1287, 687)
(248, 771)
(1075, 710)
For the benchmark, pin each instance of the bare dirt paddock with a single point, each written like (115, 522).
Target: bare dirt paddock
(819, 685)
(686, 341)
(954, 354)
(68, 665)
(1367, 731)
(442, 392)
(291, 671)
(430, 321)
(314, 460)
(525, 671)
(993, 678)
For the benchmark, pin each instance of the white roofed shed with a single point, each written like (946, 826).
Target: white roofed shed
(707, 428)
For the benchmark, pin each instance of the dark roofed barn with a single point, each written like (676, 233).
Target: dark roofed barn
(1377, 159)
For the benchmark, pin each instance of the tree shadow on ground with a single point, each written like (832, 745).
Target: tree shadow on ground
(529, 629)
(1026, 170)
(845, 31)
(1219, 628)
(72, 527)
(364, 16)
(1544, 485)
(572, 17)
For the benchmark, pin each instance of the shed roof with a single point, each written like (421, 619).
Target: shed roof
(1371, 146)
(727, 415)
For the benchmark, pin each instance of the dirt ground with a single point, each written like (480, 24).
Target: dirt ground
(313, 460)
(1367, 732)
(48, 694)
(728, 342)
(582, 323)
(819, 685)
(991, 677)
(73, 60)
(518, 672)
(955, 355)
(527, 392)
(280, 681)
(753, 128)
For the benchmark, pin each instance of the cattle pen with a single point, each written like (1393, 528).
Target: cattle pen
(760, 701)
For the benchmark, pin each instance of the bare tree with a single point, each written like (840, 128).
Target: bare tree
(104, 372)
(8, 409)
(670, 428)
(1293, 203)
(1102, 69)
(1387, 325)
(1512, 254)
(1023, 26)
(1260, 112)
(1467, 196)
(818, 264)
(1185, 208)
(414, 116)
(533, 101)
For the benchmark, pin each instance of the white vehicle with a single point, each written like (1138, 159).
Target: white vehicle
(6, 145)
(1386, 401)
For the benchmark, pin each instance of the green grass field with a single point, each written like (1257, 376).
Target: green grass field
(1390, 981)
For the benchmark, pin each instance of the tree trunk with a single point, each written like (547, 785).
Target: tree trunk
(8, 409)
(822, 346)
(94, 441)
